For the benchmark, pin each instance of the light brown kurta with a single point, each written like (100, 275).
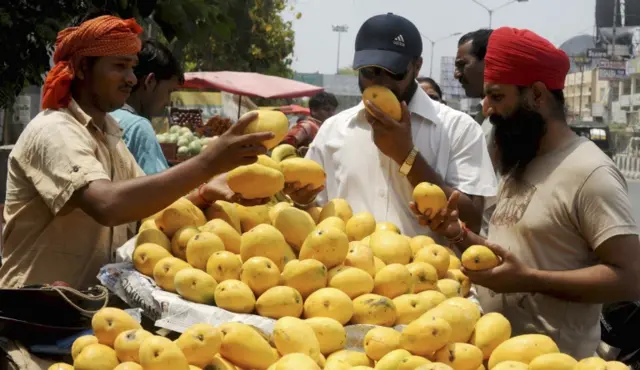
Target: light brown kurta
(45, 239)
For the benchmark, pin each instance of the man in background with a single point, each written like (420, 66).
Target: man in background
(158, 73)
(322, 106)
(431, 87)
(469, 70)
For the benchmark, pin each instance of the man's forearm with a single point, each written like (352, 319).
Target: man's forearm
(117, 203)
(596, 284)
(422, 172)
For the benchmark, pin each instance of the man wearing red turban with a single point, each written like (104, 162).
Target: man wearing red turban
(563, 226)
(73, 187)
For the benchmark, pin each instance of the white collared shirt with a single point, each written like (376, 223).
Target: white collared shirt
(451, 142)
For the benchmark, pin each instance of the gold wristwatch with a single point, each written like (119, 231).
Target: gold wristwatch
(408, 163)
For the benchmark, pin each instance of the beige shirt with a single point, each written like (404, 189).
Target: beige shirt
(45, 240)
(572, 200)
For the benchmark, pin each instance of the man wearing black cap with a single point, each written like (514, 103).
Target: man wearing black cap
(374, 162)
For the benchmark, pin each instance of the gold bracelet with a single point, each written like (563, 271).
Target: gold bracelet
(408, 162)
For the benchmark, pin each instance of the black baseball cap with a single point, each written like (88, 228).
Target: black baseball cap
(387, 41)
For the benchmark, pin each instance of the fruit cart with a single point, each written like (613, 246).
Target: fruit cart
(188, 134)
(187, 124)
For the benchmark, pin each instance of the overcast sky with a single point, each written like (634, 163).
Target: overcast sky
(316, 44)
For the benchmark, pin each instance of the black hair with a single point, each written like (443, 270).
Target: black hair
(479, 41)
(431, 82)
(561, 107)
(156, 58)
(323, 99)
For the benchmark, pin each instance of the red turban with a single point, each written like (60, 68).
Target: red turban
(521, 57)
(98, 37)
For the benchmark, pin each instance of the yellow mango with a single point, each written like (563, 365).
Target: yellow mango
(523, 348)
(272, 121)
(429, 197)
(384, 99)
(337, 207)
(379, 341)
(390, 247)
(242, 180)
(305, 172)
(374, 309)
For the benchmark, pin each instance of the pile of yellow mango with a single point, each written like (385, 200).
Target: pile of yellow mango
(277, 261)
(438, 341)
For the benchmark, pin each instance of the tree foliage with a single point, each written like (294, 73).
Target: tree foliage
(259, 41)
(241, 35)
(28, 30)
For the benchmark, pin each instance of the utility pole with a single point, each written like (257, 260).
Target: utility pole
(340, 29)
(613, 82)
(582, 61)
(581, 90)
(433, 46)
(491, 11)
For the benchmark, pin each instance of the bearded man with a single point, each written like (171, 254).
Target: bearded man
(562, 227)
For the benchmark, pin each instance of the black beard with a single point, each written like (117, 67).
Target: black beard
(517, 139)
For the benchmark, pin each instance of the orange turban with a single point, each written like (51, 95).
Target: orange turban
(98, 37)
(521, 57)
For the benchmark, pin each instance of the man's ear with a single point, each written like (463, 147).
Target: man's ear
(539, 94)
(82, 68)
(150, 82)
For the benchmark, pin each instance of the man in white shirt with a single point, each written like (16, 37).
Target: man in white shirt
(374, 162)
(472, 48)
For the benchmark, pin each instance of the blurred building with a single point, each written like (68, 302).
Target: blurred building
(451, 88)
(344, 87)
(609, 88)
(585, 95)
(628, 93)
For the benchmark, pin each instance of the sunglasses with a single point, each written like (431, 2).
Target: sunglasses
(372, 72)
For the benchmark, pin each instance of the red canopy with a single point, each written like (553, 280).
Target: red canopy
(250, 84)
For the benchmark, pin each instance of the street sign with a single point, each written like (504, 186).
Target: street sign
(633, 66)
(608, 74)
(597, 53)
(612, 64)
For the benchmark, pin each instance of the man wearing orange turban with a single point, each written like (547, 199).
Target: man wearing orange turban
(100, 37)
(563, 226)
(73, 188)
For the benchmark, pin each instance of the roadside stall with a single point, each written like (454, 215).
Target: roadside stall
(211, 101)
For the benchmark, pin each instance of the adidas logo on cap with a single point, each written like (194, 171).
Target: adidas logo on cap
(399, 41)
